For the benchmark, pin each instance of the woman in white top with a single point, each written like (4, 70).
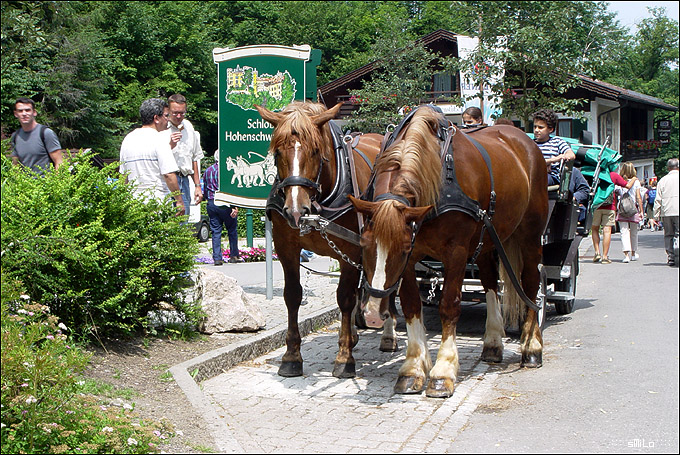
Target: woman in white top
(629, 224)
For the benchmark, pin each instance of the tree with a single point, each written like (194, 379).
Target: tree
(52, 53)
(403, 74)
(529, 52)
(649, 65)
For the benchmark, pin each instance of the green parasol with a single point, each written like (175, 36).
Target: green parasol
(609, 161)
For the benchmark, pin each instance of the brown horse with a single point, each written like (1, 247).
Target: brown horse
(309, 180)
(409, 184)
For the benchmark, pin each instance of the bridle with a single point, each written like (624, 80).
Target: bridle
(415, 227)
(296, 180)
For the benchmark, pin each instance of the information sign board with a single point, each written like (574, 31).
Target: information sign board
(270, 76)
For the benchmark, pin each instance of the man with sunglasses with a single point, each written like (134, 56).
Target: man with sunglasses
(146, 156)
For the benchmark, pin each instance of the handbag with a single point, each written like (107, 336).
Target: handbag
(627, 207)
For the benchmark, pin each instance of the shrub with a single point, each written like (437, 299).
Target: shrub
(44, 409)
(82, 244)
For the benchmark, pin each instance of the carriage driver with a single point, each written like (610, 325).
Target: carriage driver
(554, 149)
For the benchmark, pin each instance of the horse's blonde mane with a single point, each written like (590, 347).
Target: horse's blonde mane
(297, 121)
(418, 178)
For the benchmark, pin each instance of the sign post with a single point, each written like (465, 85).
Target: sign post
(270, 76)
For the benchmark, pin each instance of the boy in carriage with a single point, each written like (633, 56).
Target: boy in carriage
(554, 149)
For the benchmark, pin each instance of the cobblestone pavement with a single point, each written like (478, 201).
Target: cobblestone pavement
(317, 413)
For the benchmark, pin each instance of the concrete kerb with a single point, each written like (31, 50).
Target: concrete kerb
(190, 373)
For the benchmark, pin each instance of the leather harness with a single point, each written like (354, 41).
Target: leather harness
(452, 197)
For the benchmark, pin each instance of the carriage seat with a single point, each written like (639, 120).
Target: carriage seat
(561, 192)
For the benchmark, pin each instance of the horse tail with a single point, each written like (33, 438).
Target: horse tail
(514, 309)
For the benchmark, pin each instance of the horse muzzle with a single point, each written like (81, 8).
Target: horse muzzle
(374, 314)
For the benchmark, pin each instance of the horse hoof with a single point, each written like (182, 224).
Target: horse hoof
(290, 369)
(531, 360)
(409, 384)
(439, 388)
(492, 354)
(389, 345)
(344, 370)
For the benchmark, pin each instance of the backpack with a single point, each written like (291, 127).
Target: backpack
(651, 196)
(627, 207)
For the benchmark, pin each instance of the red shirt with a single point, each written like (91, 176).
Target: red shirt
(617, 180)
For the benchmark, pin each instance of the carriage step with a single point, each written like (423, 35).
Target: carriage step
(561, 296)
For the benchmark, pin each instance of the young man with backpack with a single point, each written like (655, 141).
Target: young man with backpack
(34, 145)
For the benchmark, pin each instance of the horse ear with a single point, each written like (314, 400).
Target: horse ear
(266, 114)
(365, 207)
(416, 213)
(330, 114)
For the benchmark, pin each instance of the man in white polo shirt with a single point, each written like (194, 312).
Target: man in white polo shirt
(146, 155)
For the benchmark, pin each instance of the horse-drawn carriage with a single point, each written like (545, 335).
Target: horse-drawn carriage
(561, 238)
(382, 214)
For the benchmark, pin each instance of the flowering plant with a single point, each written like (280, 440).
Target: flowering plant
(255, 254)
(45, 404)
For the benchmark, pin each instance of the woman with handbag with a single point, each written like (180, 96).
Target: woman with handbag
(629, 212)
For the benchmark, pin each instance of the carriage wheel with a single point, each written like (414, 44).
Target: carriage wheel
(568, 285)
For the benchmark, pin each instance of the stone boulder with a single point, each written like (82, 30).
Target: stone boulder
(226, 305)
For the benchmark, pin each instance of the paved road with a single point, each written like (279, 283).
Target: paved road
(609, 382)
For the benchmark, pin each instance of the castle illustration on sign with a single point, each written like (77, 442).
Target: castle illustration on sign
(246, 87)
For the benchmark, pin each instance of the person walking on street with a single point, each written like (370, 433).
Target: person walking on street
(185, 142)
(34, 145)
(629, 223)
(666, 207)
(219, 216)
(651, 197)
(146, 156)
(605, 216)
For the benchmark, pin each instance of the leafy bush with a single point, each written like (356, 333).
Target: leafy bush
(82, 244)
(44, 409)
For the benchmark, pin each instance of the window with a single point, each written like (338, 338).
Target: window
(444, 85)
(564, 128)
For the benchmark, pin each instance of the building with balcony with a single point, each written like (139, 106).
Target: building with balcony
(626, 116)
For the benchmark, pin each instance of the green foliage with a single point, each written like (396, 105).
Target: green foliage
(402, 77)
(45, 408)
(649, 65)
(82, 244)
(544, 45)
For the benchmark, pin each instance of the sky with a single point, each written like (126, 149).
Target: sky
(631, 12)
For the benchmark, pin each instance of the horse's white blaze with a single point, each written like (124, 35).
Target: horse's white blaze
(296, 172)
(447, 360)
(418, 361)
(378, 281)
(494, 322)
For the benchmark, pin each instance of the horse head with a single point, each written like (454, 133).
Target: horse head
(386, 242)
(406, 188)
(301, 144)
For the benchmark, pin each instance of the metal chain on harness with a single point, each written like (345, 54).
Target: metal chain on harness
(435, 285)
(305, 288)
(322, 230)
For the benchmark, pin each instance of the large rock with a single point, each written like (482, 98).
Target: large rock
(226, 305)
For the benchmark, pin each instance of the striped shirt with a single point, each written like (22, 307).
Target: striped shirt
(211, 181)
(551, 148)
